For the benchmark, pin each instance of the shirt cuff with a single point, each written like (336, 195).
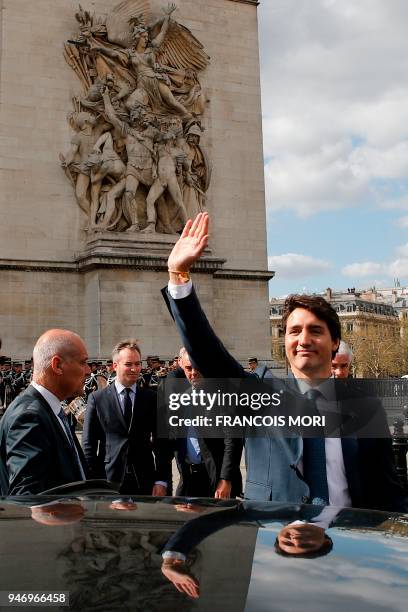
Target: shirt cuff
(178, 292)
(161, 482)
(172, 554)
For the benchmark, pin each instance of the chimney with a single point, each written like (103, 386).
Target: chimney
(329, 294)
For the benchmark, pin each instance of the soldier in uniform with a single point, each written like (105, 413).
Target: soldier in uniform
(19, 382)
(28, 371)
(8, 382)
(110, 371)
(152, 377)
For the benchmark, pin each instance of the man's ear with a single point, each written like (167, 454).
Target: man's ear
(335, 345)
(56, 365)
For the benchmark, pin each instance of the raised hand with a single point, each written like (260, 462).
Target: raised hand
(190, 245)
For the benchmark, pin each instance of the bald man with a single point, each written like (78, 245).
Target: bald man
(37, 448)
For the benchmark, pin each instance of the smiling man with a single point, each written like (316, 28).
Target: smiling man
(37, 449)
(119, 437)
(337, 471)
(312, 336)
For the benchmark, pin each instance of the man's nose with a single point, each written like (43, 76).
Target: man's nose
(304, 337)
(87, 369)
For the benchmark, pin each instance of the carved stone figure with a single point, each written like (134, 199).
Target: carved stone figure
(106, 163)
(75, 163)
(170, 159)
(142, 94)
(199, 176)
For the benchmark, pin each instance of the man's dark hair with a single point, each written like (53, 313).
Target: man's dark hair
(318, 306)
(325, 548)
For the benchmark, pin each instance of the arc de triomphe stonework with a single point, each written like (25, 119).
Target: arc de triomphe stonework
(118, 121)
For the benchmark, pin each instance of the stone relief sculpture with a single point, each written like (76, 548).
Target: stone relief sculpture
(112, 569)
(136, 162)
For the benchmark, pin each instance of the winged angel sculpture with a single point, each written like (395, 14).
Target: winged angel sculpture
(136, 161)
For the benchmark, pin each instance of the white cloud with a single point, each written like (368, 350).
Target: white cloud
(399, 268)
(403, 250)
(325, 180)
(377, 163)
(402, 222)
(294, 265)
(334, 101)
(360, 270)
(370, 269)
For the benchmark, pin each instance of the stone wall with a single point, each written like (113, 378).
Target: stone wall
(42, 282)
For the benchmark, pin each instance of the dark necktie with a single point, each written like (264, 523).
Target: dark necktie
(127, 407)
(67, 428)
(314, 462)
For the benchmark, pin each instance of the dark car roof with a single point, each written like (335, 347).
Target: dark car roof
(109, 558)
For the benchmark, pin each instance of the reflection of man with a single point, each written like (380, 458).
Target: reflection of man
(37, 449)
(119, 436)
(209, 467)
(342, 472)
(58, 513)
(304, 535)
(342, 361)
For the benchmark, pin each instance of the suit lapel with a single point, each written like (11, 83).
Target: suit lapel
(58, 429)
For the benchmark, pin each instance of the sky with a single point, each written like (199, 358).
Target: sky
(334, 77)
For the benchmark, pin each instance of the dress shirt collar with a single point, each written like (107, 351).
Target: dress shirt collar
(50, 398)
(119, 387)
(326, 388)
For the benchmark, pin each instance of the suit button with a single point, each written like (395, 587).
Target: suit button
(305, 499)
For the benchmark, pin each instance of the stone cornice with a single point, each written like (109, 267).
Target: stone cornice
(255, 2)
(262, 275)
(157, 263)
(23, 265)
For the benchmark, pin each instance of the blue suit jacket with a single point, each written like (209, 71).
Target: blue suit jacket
(271, 462)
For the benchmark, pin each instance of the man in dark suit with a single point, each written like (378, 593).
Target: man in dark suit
(119, 436)
(348, 471)
(208, 467)
(37, 448)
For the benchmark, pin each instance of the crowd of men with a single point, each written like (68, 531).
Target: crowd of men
(15, 376)
(40, 451)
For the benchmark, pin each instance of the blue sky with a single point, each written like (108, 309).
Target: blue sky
(335, 120)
